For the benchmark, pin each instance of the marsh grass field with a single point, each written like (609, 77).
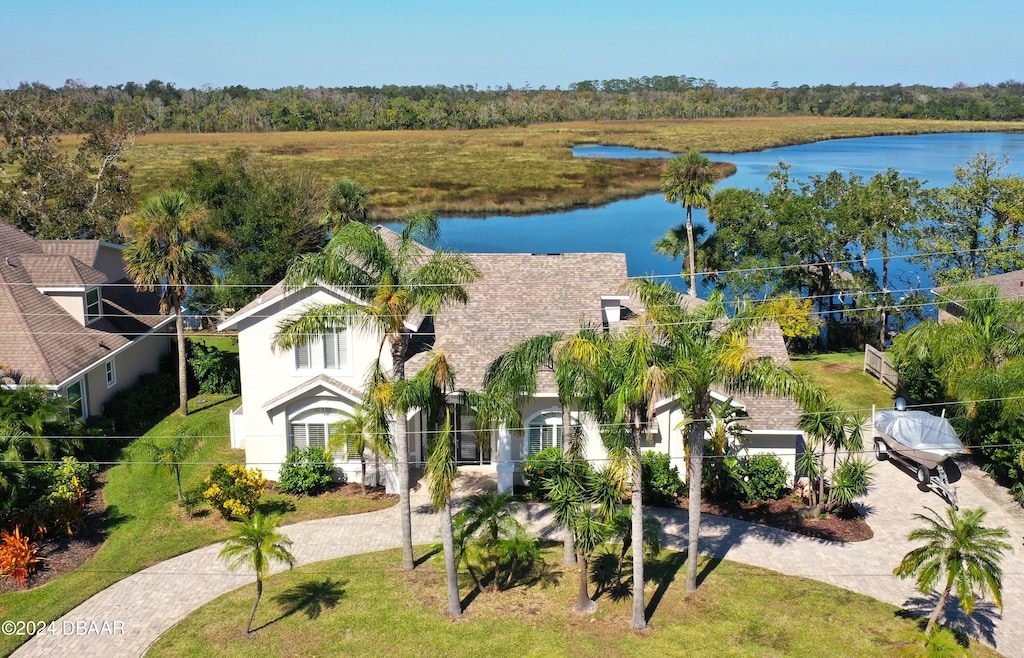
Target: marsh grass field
(510, 170)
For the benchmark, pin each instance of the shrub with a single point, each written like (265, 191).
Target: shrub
(233, 490)
(306, 472)
(67, 494)
(766, 477)
(539, 468)
(215, 370)
(18, 557)
(660, 482)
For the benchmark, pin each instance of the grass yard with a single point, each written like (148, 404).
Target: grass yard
(365, 606)
(842, 375)
(146, 525)
(507, 170)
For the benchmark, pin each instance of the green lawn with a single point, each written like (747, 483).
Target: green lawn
(365, 606)
(842, 375)
(146, 525)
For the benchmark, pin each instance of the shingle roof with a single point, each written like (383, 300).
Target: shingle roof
(39, 340)
(519, 296)
(1010, 284)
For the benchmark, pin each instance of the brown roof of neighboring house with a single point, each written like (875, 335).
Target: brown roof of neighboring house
(1010, 284)
(39, 340)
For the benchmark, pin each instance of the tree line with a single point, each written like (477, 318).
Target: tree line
(163, 106)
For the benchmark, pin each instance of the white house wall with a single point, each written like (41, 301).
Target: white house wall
(267, 373)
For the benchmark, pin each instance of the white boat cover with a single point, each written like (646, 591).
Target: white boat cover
(919, 430)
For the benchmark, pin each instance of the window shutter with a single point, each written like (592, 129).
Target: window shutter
(534, 440)
(336, 350)
(300, 439)
(317, 435)
(302, 361)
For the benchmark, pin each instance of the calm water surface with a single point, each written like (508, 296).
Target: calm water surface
(632, 226)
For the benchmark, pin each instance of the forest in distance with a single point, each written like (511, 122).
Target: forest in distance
(159, 106)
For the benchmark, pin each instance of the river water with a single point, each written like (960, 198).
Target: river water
(631, 226)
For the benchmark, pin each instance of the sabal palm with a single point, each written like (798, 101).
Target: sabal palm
(689, 180)
(675, 244)
(168, 248)
(961, 554)
(255, 545)
(393, 277)
(346, 202)
(709, 350)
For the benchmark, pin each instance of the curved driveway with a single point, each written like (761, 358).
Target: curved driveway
(146, 604)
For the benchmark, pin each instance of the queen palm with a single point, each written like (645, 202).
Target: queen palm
(961, 554)
(256, 543)
(169, 244)
(394, 277)
(710, 350)
(689, 180)
(514, 376)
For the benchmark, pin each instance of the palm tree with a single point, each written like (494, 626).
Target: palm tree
(171, 456)
(514, 377)
(961, 553)
(675, 244)
(168, 248)
(689, 181)
(32, 415)
(395, 278)
(710, 350)
(360, 433)
(346, 202)
(256, 543)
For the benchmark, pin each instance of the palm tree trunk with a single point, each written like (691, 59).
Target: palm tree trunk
(402, 458)
(252, 615)
(177, 473)
(179, 328)
(934, 617)
(695, 476)
(568, 545)
(692, 247)
(362, 463)
(584, 604)
(639, 621)
(885, 288)
(451, 574)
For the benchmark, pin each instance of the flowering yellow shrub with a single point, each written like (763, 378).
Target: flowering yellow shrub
(234, 490)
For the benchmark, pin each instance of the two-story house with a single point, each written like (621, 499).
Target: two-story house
(72, 322)
(291, 398)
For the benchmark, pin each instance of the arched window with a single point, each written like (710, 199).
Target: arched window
(544, 431)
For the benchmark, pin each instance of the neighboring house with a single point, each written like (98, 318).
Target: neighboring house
(292, 397)
(72, 322)
(1009, 284)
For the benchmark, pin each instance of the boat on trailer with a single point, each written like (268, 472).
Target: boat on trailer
(920, 440)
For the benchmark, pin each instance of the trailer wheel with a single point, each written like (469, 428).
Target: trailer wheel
(881, 453)
(922, 475)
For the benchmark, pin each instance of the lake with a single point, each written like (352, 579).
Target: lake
(631, 226)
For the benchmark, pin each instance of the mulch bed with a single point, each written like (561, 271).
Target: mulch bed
(61, 553)
(845, 525)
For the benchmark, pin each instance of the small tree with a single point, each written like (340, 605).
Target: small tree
(171, 456)
(961, 553)
(257, 542)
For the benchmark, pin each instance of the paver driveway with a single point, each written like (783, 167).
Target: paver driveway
(150, 602)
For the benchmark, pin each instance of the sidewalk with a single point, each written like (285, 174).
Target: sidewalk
(148, 603)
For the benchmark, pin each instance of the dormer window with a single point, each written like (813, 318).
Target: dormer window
(93, 309)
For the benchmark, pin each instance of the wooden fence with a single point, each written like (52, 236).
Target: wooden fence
(878, 365)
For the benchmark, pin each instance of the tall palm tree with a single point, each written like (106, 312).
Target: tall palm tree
(960, 553)
(394, 277)
(256, 543)
(169, 244)
(675, 244)
(689, 180)
(709, 350)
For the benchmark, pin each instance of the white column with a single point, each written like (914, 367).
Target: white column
(506, 467)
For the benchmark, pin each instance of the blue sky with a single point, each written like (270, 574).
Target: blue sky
(493, 43)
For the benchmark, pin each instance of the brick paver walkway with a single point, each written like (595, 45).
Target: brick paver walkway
(148, 603)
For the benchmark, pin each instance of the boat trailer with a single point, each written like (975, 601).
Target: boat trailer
(937, 482)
